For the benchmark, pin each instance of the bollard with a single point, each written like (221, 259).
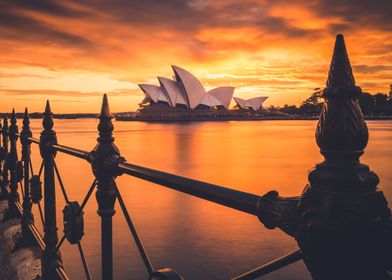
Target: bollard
(50, 257)
(103, 158)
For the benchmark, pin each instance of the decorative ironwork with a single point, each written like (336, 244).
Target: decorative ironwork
(73, 222)
(19, 171)
(5, 179)
(345, 228)
(35, 189)
(12, 166)
(51, 259)
(101, 158)
(27, 216)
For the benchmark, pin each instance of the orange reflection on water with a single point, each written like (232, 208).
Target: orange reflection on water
(199, 239)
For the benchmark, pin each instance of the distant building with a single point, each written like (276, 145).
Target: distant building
(185, 91)
(254, 103)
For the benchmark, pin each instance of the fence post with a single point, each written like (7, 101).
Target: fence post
(12, 166)
(1, 162)
(50, 256)
(345, 231)
(27, 216)
(4, 183)
(102, 158)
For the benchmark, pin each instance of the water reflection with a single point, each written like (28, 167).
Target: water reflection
(197, 238)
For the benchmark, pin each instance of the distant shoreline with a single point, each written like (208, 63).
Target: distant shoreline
(121, 117)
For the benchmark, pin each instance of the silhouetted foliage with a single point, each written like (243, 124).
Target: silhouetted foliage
(379, 104)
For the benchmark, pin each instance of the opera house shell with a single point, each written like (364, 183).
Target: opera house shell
(185, 91)
(254, 103)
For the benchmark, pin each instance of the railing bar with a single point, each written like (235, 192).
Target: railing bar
(90, 191)
(41, 214)
(33, 140)
(31, 167)
(238, 200)
(59, 244)
(40, 169)
(71, 151)
(60, 181)
(271, 266)
(61, 273)
(135, 235)
(21, 188)
(33, 229)
(85, 265)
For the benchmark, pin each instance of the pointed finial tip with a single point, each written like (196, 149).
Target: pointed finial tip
(13, 110)
(26, 111)
(105, 111)
(47, 107)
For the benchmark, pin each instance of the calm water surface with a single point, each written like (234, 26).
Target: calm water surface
(199, 239)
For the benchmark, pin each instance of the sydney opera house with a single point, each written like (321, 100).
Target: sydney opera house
(185, 91)
(185, 95)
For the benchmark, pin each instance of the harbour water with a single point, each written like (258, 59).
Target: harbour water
(199, 239)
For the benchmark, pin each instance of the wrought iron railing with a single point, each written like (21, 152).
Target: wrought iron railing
(340, 203)
(107, 164)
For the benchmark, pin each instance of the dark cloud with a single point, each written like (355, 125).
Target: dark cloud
(57, 8)
(15, 25)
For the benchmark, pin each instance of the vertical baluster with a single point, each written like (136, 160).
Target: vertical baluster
(103, 158)
(1, 162)
(27, 217)
(12, 163)
(50, 258)
(4, 183)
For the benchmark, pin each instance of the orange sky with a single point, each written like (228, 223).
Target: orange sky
(72, 52)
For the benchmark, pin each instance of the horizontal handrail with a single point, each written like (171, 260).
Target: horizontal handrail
(33, 140)
(64, 149)
(71, 151)
(238, 200)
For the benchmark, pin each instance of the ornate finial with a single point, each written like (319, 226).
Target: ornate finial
(13, 126)
(340, 72)
(5, 125)
(47, 121)
(105, 126)
(13, 117)
(341, 129)
(26, 132)
(26, 119)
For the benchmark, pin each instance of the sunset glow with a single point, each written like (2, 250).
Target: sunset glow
(72, 52)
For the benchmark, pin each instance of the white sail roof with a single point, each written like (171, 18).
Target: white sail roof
(210, 101)
(256, 102)
(154, 92)
(172, 91)
(241, 102)
(223, 94)
(191, 86)
(253, 103)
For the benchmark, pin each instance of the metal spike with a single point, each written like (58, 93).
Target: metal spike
(105, 110)
(47, 108)
(47, 121)
(340, 72)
